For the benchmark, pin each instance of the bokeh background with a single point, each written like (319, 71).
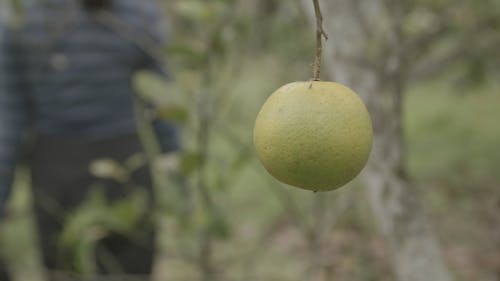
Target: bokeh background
(229, 220)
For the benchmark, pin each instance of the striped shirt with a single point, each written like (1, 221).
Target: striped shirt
(65, 74)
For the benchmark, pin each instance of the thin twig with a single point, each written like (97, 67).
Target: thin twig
(144, 42)
(320, 34)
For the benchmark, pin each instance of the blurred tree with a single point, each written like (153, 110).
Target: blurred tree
(203, 46)
(379, 48)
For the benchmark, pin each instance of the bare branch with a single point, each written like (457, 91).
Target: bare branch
(435, 66)
(320, 33)
(363, 23)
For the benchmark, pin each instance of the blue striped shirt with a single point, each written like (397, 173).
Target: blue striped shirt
(65, 74)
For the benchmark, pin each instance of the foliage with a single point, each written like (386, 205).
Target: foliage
(95, 220)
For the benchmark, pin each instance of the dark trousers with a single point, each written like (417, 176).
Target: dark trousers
(62, 181)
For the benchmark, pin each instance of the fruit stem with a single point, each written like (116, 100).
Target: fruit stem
(320, 33)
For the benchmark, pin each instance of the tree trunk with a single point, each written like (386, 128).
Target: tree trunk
(363, 53)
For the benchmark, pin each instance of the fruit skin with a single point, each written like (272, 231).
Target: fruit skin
(314, 135)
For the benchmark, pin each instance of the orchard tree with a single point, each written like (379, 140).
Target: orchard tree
(380, 47)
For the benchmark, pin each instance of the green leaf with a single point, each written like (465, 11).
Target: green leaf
(106, 168)
(192, 55)
(173, 113)
(136, 162)
(194, 10)
(219, 227)
(190, 161)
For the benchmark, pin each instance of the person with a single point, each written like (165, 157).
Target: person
(67, 80)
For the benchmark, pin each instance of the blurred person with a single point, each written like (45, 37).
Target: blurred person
(66, 78)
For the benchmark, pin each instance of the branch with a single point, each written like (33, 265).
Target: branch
(436, 66)
(420, 44)
(362, 20)
(320, 33)
(416, 46)
(142, 41)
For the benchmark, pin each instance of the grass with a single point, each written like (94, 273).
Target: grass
(458, 131)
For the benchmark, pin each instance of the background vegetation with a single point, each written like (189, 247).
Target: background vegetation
(224, 218)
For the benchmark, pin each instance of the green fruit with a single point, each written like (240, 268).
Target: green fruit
(313, 135)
